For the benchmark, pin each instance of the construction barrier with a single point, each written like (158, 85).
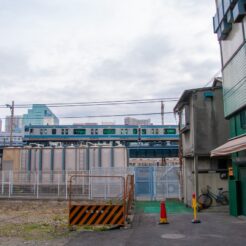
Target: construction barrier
(97, 211)
(96, 215)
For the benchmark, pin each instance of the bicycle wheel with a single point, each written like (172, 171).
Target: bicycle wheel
(224, 198)
(205, 201)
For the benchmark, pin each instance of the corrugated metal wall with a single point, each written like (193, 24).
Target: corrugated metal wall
(234, 83)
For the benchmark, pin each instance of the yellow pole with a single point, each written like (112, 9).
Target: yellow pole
(194, 206)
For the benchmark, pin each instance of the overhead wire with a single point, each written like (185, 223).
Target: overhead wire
(99, 103)
(97, 116)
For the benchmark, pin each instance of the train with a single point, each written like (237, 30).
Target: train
(100, 133)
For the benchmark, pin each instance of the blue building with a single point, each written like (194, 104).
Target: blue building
(40, 114)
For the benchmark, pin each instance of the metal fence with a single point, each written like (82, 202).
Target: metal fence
(157, 183)
(55, 185)
(150, 183)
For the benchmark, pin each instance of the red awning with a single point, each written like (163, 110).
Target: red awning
(232, 146)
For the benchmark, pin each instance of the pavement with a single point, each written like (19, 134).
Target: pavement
(215, 229)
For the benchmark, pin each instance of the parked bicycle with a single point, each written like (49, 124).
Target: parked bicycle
(205, 200)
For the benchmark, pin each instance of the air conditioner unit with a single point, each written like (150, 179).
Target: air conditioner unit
(239, 11)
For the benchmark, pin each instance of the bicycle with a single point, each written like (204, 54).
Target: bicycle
(206, 198)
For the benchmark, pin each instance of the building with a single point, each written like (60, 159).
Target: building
(230, 25)
(40, 114)
(134, 121)
(17, 124)
(202, 128)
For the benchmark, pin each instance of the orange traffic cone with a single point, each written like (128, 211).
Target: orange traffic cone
(163, 214)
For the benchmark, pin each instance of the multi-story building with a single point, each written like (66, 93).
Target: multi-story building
(230, 25)
(17, 124)
(202, 128)
(40, 114)
(134, 121)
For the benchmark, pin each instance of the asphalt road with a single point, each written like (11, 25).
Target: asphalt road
(215, 229)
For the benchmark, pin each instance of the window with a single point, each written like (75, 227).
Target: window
(45, 131)
(108, 131)
(185, 117)
(79, 131)
(243, 119)
(135, 131)
(144, 131)
(41, 131)
(53, 131)
(156, 131)
(152, 131)
(64, 131)
(170, 131)
(31, 130)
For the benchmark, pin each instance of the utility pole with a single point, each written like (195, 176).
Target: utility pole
(11, 107)
(162, 113)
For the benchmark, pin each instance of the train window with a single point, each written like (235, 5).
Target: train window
(126, 131)
(62, 131)
(156, 131)
(41, 131)
(31, 130)
(79, 131)
(152, 131)
(108, 131)
(135, 131)
(96, 131)
(53, 131)
(66, 131)
(170, 131)
(45, 131)
(26, 129)
(121, 131)
(144, 131)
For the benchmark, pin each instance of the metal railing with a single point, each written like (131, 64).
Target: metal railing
(55, 185)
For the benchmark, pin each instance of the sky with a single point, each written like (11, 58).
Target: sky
(64, 51)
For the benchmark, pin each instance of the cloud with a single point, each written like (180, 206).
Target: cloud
(80, 50)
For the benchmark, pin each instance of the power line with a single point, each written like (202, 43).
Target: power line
(97, 116)
(99, 103)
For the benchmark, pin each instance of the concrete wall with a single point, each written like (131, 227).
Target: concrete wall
(211, 129)
(188, 136)
(11, 159)
(59, 159)
(207, 175)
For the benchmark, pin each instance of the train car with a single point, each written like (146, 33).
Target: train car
(100, 133)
